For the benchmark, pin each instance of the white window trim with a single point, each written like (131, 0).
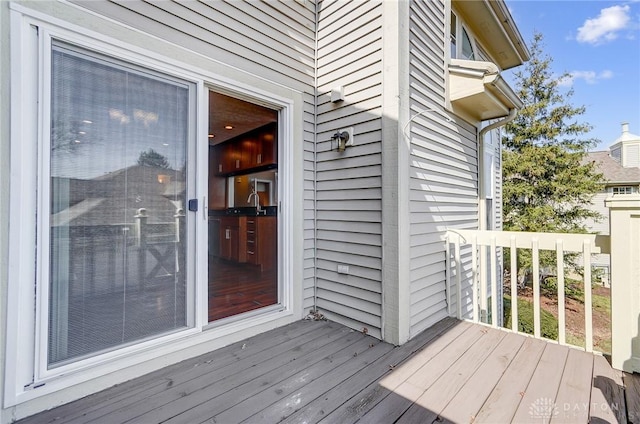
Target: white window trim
(628, 189)
(460, 27)
(23, 357)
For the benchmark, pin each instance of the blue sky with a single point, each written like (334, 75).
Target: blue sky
(598, 42)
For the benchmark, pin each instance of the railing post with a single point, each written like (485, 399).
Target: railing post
(624, 223)
(141, 243)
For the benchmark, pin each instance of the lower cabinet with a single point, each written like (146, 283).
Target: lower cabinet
(262, 242)
(232, 236)
(243, 239)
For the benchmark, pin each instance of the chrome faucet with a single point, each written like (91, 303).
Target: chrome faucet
(256, 197)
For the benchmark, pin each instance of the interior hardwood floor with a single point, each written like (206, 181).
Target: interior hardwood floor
(235, 288)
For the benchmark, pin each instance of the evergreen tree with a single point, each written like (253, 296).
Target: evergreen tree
(152, 158)
(547, 183)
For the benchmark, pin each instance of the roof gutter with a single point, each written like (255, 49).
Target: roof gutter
(501, 11)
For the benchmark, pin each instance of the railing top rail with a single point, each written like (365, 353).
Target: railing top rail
(524, 240)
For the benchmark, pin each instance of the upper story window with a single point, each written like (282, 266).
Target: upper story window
(624, 190)
(461, 43)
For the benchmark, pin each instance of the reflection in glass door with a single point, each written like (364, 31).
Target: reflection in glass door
(118, 181)
(243, 211)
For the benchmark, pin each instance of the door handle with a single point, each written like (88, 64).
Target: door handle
(205, 208)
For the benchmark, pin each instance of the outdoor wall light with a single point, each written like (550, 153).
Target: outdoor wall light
(340, 138)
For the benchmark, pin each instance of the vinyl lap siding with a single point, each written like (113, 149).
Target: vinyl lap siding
(349, 184)
(443, 168)
(274, 39)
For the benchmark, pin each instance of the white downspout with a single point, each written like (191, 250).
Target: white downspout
(482, 216)
(482, 213)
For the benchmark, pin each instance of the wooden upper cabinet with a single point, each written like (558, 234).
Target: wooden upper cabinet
(266, 147)
(253, 150)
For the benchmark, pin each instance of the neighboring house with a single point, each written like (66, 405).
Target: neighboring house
(620, 166)
(359, 222)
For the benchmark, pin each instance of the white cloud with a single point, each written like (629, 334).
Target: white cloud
(606, 26)
(590, 77)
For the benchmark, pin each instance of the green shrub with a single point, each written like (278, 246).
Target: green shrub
(548, 323)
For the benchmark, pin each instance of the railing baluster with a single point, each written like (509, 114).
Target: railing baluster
(494, 283)
(482, 280)
(447, 274)
(458, 276)
(561, 305)
(484, 275)
(474, 278)
(514, 283)
(588, 307)
(535, 258)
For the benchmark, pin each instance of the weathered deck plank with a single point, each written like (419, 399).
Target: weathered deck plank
(204, 375)
(407, 391)
(290, 404)
(368, 397)
(607, 393)
(312, 372)
(632, 396)
(371, 395)
(251, 406)
(465, 405)
(247, 382)
(116, 397)
(502, 403)
(430, 404)
(340, 394)
(573, 398)
(539, 397)
(187, 392)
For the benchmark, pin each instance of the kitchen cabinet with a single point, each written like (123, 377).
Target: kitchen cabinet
(253, 150)
(264, 152)
(233, 233)
(227, 158)
(262, 241)
(214, 237)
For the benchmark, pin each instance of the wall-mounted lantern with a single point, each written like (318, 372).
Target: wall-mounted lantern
(342, 139)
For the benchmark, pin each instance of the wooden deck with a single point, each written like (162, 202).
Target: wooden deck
(316, 371)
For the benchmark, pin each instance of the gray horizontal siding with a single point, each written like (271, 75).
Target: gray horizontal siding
(443, 168)
(349, 184)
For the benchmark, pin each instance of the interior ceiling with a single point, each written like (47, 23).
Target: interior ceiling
(243, 116)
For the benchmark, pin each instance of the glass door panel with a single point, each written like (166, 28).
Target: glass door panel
(243, 211)
(118, 166)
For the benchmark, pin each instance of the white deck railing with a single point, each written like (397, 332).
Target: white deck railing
(485, 250)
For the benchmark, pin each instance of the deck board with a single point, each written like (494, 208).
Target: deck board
(253, 405)
(362, 401)
(193, 389)
(502, 403)
(539, 397)
(295, 401)
(338, 395)
(203, 376)
(401, 393)
(310, 372)
(632, 396)
(216, 400)
(607, 393)
(573, 398)
(465, 405)
(430, 404)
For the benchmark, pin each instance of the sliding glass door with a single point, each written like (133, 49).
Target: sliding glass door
(117, 201)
